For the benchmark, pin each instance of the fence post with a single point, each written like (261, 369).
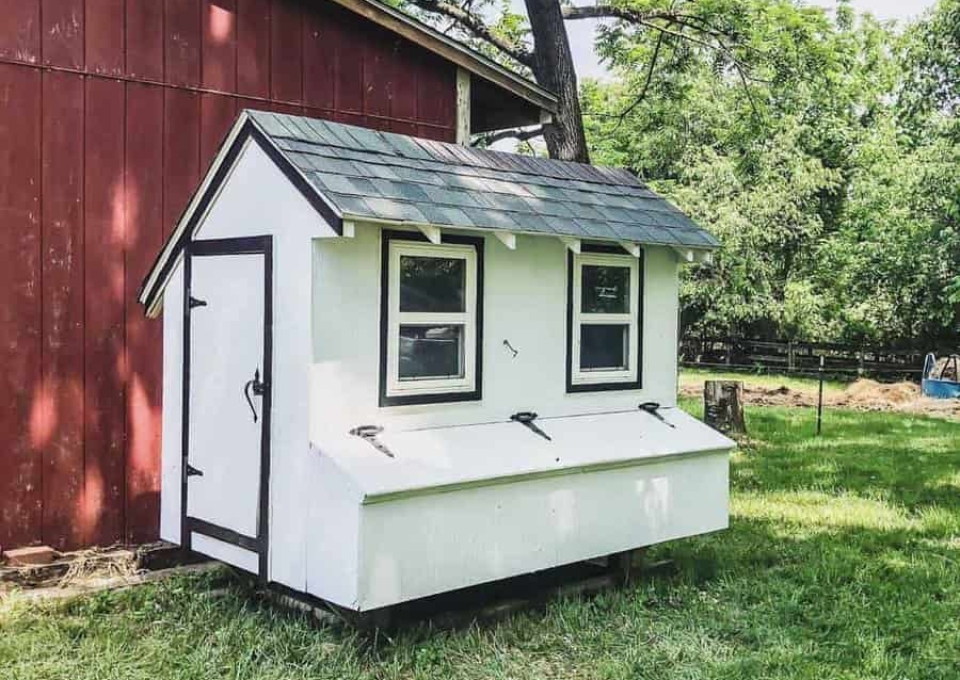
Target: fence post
(791, 357)
(820, 398)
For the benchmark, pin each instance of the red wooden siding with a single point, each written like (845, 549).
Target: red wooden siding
(143, 209)
(110, 112)
(22, 419)
(62, 305)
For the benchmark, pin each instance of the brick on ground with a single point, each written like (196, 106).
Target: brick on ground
(32, 556)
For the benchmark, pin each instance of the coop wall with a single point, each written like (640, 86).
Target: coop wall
(434, 543)
(256, 200)
(525, 302)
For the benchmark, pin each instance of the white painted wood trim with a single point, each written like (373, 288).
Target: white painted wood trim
(349, 229)
(432, 233)
(693, 255)
(169, 247)
(632, 248)
(397, 318)
(463, 107)
(631, 319)
(507, 238)
(374, 221)
(571, 243)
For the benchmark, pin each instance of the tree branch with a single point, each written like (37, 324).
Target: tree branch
(473, 23)
(646, 82)
(672, 23)
(519, 134)
(650, 18)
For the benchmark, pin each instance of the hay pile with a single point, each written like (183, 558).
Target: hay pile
(864, 395)
(874, 396)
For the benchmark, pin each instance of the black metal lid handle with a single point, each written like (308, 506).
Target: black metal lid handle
(526, 419)
(653, 408)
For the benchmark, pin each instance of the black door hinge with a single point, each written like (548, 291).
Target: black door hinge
(196, 302)
(193, 472)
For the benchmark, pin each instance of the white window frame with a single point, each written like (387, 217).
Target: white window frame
(395, 387)
(579, 319)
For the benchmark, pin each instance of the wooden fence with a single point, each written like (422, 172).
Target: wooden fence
(785, 356)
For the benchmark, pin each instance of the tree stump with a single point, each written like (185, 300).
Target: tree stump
(723, 406)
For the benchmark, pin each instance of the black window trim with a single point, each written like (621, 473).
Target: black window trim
(606, 386)
(476, 394)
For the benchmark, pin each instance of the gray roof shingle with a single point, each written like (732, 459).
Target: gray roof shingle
(387, 176)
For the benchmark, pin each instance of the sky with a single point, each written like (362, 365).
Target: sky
(581, 32)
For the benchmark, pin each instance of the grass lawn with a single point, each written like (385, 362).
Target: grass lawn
(842, 561)
(696, 376)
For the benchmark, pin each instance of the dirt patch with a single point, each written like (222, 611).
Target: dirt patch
(864, 394)
(88, 567)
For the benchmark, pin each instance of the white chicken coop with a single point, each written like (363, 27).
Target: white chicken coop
(396, 367)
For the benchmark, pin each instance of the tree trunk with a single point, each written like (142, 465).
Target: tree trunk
(723, 406)
(554, 70)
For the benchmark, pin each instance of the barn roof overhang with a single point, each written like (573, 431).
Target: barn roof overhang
(355, 175)
(488, 110)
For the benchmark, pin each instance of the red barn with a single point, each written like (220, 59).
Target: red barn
(110, 111)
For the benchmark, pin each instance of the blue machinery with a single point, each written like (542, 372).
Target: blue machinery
(936, 385)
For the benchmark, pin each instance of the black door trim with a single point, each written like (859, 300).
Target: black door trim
(220, 533)
(248, 245)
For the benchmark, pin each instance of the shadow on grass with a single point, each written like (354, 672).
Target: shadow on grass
(855, 600)
(913, 461)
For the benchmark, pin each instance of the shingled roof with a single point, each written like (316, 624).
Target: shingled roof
(368, 175)
(352, 174)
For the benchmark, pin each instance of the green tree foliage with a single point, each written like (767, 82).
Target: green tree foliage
(822, 150)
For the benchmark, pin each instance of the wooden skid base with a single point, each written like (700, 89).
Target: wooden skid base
(488, 602)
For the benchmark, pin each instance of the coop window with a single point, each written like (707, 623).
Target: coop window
(431, 319)
(604, 290)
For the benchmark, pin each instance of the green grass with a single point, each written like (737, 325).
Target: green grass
(696, 376)
(842, 561)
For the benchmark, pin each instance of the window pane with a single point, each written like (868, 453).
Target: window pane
(432, 284)
(605, 289)
(431, 352)
(603, 347)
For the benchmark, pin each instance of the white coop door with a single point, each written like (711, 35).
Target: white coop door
(228, 378)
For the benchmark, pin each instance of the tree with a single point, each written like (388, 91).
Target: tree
(540, 44)
(830, 178)
(821, 149)
(932, 86)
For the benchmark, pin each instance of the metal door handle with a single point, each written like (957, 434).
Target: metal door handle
(258, 388)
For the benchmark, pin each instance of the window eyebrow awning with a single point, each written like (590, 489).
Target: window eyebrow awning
(387, 177)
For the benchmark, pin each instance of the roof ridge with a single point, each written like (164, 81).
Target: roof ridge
(452, 154)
